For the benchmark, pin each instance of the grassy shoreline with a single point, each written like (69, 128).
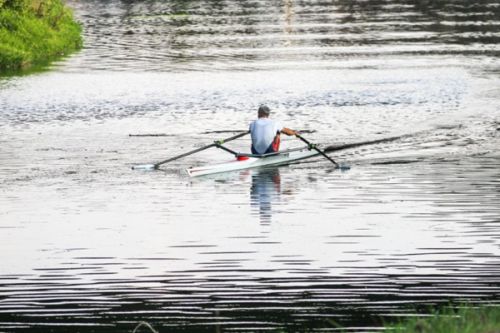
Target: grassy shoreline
(34, 32)
(463, 319)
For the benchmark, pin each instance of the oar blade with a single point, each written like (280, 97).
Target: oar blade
(344, 167)
(144, 167)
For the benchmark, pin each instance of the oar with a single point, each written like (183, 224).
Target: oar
(313, 146)
(215, 144)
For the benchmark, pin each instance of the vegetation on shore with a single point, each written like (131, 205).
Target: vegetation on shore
(33, 32)
(466, 319)
(463, 319)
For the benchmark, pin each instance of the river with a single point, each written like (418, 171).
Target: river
(89, 245)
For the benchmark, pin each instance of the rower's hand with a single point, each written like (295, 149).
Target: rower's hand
(296, 133)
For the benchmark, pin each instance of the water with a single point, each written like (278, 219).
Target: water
(89, 245)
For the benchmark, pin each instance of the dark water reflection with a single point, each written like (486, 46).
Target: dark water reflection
(88, 245)
(247, 35)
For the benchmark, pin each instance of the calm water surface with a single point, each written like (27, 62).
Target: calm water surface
(89, 245)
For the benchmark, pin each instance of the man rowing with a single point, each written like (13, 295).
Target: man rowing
(265, 135)
(265, 132)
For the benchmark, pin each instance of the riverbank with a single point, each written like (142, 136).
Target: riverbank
(35, 32)
(485, 319)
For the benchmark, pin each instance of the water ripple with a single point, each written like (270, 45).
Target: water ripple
(88, 244)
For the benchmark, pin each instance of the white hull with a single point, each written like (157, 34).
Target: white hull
(252, 162)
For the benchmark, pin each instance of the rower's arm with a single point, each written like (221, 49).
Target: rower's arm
(288, 131)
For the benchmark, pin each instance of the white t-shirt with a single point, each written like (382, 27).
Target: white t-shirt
(263, 131)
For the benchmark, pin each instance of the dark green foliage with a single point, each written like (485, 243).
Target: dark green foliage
(465, 319)
(18, 5)
(35, 31)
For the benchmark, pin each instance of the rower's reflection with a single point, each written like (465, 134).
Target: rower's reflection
(265, 190)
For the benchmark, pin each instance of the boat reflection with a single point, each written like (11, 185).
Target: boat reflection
(264, 192)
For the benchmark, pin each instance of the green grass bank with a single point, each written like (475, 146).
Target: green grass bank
(483, 319)
(34, 32)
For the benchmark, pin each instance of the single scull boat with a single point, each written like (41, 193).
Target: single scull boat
(245, 161)
(248, 161)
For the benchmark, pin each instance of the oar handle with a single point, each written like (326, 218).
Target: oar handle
(234, 137)
(215, 144)
(313, 146)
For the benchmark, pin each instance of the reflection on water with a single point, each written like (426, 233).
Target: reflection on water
(288, 4)
(265, 189)
(221, 35)
(88, 245)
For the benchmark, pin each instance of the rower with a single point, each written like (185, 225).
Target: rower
(265, 132)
